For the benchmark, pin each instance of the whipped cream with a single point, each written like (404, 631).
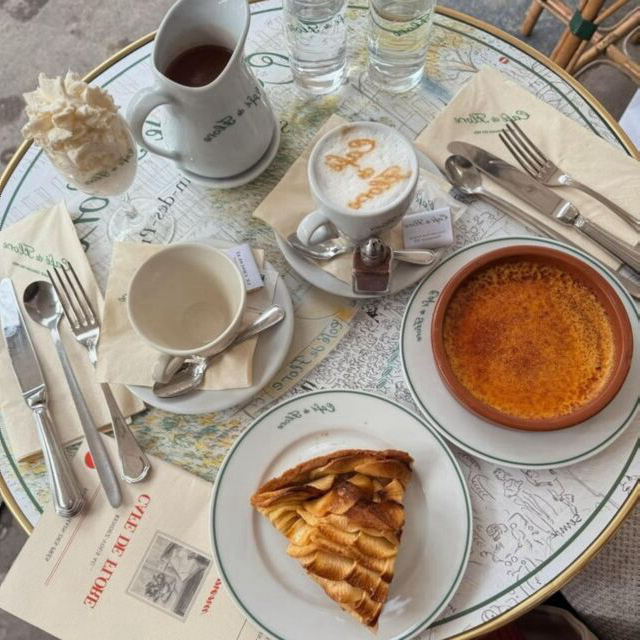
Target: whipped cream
(79, 128)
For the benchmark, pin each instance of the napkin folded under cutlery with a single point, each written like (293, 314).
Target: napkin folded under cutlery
(125, 358)
(27, 249)
(290, 201)
(480, 110)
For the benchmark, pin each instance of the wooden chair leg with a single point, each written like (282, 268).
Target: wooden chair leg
(530, 20)
(569, 42)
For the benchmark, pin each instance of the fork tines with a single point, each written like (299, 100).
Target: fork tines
(529, 157)
(75, 302)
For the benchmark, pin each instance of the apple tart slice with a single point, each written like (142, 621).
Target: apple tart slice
(343, 516)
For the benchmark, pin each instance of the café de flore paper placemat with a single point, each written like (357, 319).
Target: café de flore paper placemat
(141, 571)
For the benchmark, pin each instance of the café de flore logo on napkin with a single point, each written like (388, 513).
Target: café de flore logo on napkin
(141, 571)
(28, 248)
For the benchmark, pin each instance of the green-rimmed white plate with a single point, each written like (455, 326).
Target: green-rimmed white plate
(271, 588)
(507, 447)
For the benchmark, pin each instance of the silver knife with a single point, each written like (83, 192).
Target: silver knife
(545, 200)
(65, 489)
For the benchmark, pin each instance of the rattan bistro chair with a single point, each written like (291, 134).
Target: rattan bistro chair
(585, 39)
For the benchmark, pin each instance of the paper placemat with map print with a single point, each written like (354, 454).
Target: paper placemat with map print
(518, 550)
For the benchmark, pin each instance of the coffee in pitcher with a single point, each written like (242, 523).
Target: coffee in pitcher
(198, 66)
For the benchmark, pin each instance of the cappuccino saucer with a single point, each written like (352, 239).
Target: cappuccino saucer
(246, 176)
(403, 275)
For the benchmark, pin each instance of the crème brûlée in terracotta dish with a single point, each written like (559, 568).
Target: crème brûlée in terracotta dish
(531, 338)
(343, 516)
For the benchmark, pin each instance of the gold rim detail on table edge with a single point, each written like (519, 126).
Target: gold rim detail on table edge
(563, 577)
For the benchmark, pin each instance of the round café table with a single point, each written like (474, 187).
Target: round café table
(513, 565)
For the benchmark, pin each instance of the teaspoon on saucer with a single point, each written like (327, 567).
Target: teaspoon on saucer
(329, 249)
(190, 375)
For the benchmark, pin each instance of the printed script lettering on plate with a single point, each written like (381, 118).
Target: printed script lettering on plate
(316, 407)
(418, 323)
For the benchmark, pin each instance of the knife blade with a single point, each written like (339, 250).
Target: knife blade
(65, 489)
(544, 200)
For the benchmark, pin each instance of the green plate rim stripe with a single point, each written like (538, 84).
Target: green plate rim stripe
(441, 441)
(428, 413)
(627, 463)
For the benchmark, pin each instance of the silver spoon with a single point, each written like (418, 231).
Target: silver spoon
(190, 375)
(329, 249)
(43, 306)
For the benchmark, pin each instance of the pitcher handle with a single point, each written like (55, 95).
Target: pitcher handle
(141, 105)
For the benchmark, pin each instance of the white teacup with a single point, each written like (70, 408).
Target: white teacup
(187, 299)
(363, 177)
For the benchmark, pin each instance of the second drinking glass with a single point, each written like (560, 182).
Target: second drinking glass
(398, 41)
(316, 35)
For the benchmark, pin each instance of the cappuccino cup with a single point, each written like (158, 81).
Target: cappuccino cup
(186, 300)
(363, 177)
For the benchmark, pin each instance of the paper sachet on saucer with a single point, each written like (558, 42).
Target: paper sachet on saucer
(482, 108)
(290, 201)
(123, 356)
(27, 249)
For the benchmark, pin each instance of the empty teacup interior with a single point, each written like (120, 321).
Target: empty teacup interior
(186, 298)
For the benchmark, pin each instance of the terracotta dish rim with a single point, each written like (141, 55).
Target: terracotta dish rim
(606, 294)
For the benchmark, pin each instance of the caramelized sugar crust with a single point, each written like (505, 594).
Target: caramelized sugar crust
(528, 339)
(343, 516)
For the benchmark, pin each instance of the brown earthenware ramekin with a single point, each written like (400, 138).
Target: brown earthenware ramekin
(581, 272)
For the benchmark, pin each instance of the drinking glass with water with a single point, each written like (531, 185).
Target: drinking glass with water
(398, 41)
(316, 34)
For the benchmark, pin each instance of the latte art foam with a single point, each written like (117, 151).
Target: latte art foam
(363, 169)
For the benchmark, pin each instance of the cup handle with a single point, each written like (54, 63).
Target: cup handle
(315, 228)
(141, 105)
(165, 366)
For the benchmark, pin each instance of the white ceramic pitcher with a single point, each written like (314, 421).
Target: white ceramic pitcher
(218, 130)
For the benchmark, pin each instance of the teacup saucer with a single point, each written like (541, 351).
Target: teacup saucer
(269, 356)
(246, 176)
(404, 275)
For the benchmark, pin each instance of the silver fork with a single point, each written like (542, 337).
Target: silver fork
(537, 165)
(86, 330)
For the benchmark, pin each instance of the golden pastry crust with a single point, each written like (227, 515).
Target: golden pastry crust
(343, 516)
